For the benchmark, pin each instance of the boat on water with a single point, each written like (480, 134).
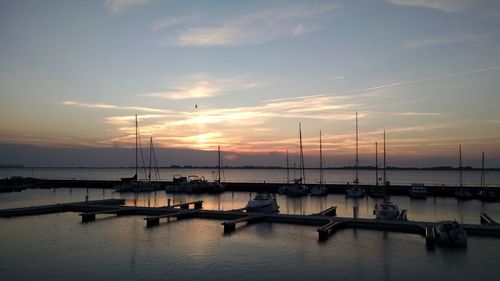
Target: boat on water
(189, 184)
(386, 210)
(417, 191)
(263, 203)
(461, 193)
(450, 233)
(283, 189)
(355, 191)
(297, 188)
(132, 183)
(217, 186)
(485, 195)
(320, 189)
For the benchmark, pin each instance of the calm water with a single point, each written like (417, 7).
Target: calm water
(471, 178)
(59, 247)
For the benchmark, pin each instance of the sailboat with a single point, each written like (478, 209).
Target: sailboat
(386, 210)
(377, 190)
(461, 193)
(484, 194)
(133, 184)
(217, 186)
(298, 188)
(283, 189)
(319, 190)
(356, 191)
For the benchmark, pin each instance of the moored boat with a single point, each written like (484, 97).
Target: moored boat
(417, 191)
(320, 189)
(355, 191)
(386, 210)
(450, 233)
(263, 203)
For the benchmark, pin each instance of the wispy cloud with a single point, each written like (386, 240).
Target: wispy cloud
(483, 7)
(248, 29)
(173, 21)
(396, 84)
(446, 39)
(338, 77)
(204, 86)
(119, 6)
(112, 106)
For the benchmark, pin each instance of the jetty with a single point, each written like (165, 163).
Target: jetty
(18, 184)
(327, 221)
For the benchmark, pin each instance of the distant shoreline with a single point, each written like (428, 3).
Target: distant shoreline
(444, 168)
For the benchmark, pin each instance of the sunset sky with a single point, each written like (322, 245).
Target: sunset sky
(243, 74)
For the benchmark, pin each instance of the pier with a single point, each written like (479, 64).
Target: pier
(327, 222)
(432, 190)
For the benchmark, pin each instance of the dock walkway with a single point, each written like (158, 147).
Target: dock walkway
(327, 224)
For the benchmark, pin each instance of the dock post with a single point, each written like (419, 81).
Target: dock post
(430, 238)
(355, 212)
(153, 221)
(229, 227)
(198, 204)
(87, 217)
(168, 202)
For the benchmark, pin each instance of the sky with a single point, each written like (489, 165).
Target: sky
(243, 74)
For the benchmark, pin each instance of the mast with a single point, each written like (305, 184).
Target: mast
(136, 136)
(150, 153)
(385, 175)
(357, 158)
(287, 169)
(376, 163)
(303, 172)
(218, 166)
(320, 160)
(460, 167)
(482, 172)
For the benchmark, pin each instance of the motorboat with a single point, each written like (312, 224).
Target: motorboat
(418, 191)
(263, 203)
(386, 210)
(450, 233)
(190, 184)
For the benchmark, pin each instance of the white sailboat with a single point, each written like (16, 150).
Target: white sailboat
(386, 210)
(298, 188)
(319, 190)
(485, 194)
(461, 193)
(133, 184)
(356, 191)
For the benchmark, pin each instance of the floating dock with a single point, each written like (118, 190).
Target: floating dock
(327, 221)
